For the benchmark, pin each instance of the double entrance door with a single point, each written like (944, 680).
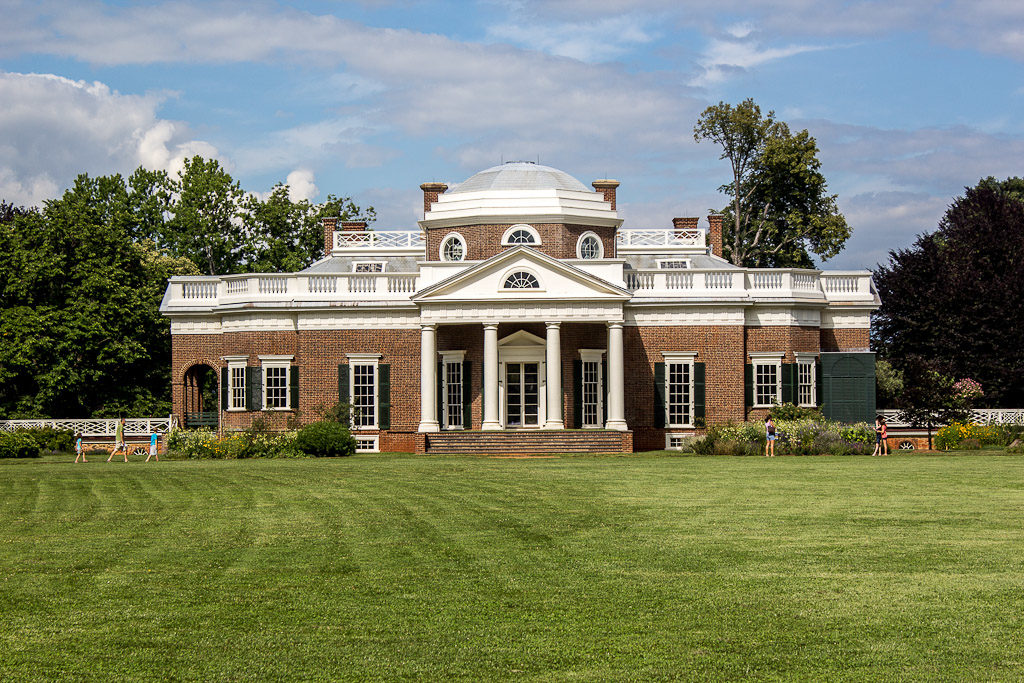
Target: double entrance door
(522, 395)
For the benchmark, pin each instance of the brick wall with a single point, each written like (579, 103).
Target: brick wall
(845, 340)
(483, 241)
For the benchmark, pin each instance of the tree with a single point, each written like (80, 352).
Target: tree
(780, 205)
(954, 296)
(932, 399)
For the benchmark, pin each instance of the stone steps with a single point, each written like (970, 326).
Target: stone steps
(528, 442)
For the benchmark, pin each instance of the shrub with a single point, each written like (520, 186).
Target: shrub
(51, 439)
(192, 443)
(325, 440)
(790, 411)
(1017, 446)
(704, 445)
(18, 445)
(970, 445)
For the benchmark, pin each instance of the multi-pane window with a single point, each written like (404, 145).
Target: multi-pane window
(522, 280)
(591, 402)
(521, 236)
(805, 383)
(275, 389)
(364, 395)
(368, 267)
(766, 383)
(453, 248)
(679, 394)
(590, 247)
(453, 395)
(673, 265)
(237, 386)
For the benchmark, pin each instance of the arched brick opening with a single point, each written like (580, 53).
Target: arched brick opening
(200, 397)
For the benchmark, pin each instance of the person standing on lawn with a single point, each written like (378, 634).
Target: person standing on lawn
(878, 436)
(884, 433)
(152, 448)
(119, 443)
(79, 448)
(769, 437)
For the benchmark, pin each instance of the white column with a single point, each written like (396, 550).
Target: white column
(553, 348)
(428, 378)
(616, 380)
(491, 377)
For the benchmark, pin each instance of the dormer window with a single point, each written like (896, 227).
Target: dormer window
(368, 267)
(674, 264)
(520, 234)
(453, 248)
(521, 279)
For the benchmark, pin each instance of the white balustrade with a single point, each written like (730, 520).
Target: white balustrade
(362, 284)
(689, 237)
(718, 279)
(403, 284)
(133, 426)
(840, 284)
(238, 286)
(805, 281)
(761, 279)
(981, 416)
(273, 284)
(199, 289)
(323, 284)
(378, 239)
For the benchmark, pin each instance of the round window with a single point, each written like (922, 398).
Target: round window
(520, 237)
(453, 248)
(590, 247)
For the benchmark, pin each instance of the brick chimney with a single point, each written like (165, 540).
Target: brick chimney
(607, 188)
(431, 191)
(715, 234)
(351, 226)
(330, 225)
(681, 224)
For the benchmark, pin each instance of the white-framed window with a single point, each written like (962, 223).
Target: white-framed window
(521, 279)
(592, 388)
(679, 389)
(368, 267)
(453, 247)
(589, 246)
(367, 443)
(767, 379)
(236, 381)
(806, 380)
(452, 406)
(276, 382)
(674, 264)
(363, 389)
(520, 234)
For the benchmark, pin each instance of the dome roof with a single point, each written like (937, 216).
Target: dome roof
(520, 175)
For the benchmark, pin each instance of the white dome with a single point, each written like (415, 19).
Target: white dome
(520, 175)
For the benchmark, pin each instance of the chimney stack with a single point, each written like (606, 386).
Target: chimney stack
(352, 226)
(681, 224)
(330, 225)
(431, 191)
(607, 188)
(715, 234)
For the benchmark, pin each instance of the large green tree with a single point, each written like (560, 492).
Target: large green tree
(781, 210)
(954, 297)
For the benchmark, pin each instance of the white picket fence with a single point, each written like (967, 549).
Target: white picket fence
(133, 426)
(981, 416)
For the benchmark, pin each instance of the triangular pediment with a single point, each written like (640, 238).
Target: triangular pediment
(522, 338)
(556, 280)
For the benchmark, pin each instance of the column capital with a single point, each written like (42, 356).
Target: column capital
(553, 325)
(616, 323)
(490, 326)
(428, 326)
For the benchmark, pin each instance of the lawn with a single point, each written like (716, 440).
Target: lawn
(644, 567)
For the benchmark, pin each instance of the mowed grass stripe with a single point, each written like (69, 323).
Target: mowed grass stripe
(574, 568)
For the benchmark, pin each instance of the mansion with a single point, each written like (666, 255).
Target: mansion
(520, 317)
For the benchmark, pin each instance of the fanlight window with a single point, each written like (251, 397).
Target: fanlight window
(522, 280)
(520, 236)
(453, 248)
(590, 248)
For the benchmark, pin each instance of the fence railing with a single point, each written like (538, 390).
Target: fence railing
(981, 416)
(643, 240)
(133, 426)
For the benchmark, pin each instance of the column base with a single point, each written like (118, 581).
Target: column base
(490, 427)
(554, 424)
(429, 427)
(617, 425)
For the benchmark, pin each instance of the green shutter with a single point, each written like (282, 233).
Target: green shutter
(848, 390)
(223, 388)
(384, 396)
(467, 394)
(343, 397)
(818, 384)
(659, 395)
(439, 394)
(577, 394)
(254, 387)
(603, 417)
(698, 391)
(293, 386)
(788, 379)
(748, 385)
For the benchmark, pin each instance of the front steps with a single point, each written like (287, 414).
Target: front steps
(525, 442)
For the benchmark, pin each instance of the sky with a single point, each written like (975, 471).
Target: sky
(909, 101)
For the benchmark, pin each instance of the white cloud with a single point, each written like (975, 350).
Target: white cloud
(54, 128)
(588, 41)
(724, 57)
(301, 185)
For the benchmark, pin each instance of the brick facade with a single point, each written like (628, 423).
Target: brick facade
(845, 339)
(484, 241)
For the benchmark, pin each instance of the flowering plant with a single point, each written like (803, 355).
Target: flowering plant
(968, 388)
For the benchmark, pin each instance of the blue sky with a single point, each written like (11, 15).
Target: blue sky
(909, 101)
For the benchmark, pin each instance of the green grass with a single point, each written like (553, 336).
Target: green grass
(383, 567)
